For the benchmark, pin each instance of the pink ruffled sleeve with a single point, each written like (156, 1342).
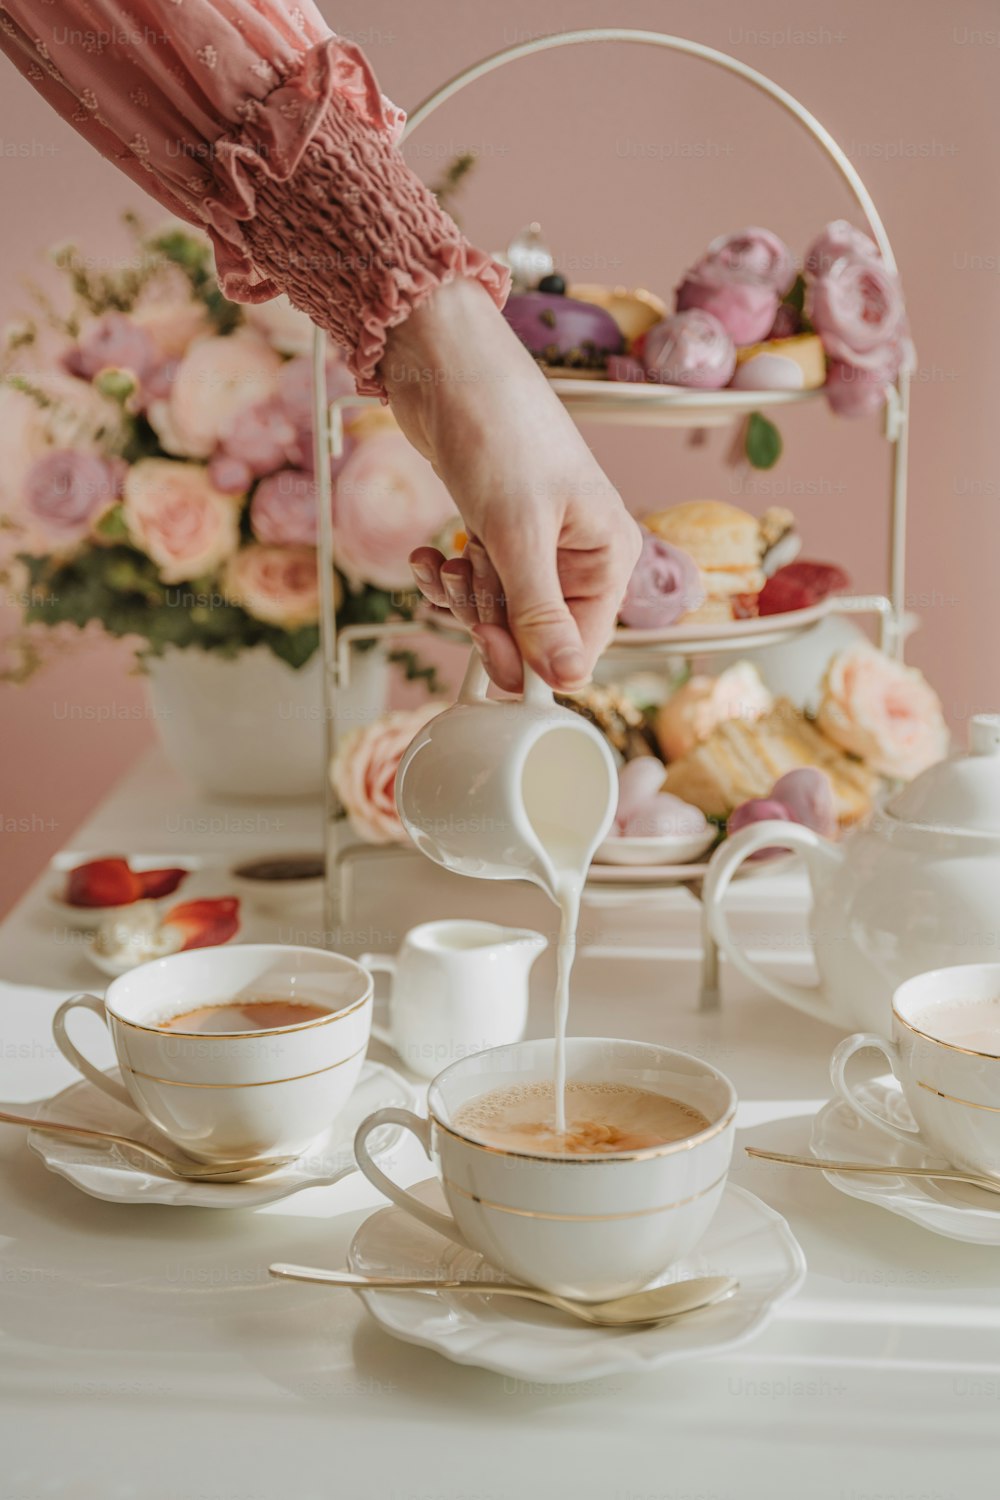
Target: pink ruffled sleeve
(253, 120)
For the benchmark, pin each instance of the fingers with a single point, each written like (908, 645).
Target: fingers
(426, 564)
(540, 619)
(456, 576)
(491, 605)
(500, 655)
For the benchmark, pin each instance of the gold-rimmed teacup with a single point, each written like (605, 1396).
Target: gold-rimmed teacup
(953, 1091)
(235, 1095)
(590, 1227)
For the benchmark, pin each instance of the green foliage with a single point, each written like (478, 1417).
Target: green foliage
(194, 257)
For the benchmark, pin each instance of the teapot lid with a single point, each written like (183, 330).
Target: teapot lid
(962, 793)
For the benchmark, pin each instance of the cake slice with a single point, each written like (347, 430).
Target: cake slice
(741, 759)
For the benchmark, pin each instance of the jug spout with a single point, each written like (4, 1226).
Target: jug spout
(522, 946)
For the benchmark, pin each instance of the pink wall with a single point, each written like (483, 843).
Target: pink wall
(633, 159)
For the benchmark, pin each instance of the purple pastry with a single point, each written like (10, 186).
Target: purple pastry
(692, 349)
(561, 331)
(664, 586)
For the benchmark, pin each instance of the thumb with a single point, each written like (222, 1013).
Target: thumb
(539, 617)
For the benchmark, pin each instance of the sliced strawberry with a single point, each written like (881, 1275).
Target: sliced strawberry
(744, 606)
(206, 923)
(800, 584)
(156, 883)
(103, 882)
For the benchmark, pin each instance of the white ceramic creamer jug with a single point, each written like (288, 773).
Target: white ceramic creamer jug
(507, 790)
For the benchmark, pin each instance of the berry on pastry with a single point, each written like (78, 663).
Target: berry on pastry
(799, 585)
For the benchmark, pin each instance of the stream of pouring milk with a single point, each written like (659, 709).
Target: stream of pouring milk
(564, 857)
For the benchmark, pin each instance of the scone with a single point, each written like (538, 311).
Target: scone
(795, 364)
(741, 759)
(729, 545)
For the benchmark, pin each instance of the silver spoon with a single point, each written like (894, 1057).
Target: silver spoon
(657, 1305)
(942, 1174)
(194, 1171)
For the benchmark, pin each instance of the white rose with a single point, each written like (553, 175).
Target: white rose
(216, 378)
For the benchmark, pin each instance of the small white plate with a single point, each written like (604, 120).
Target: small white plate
(957, 1210)
(600, 874)
(655, 849)
(746, 1239)
(88, 918)
(104, 1173)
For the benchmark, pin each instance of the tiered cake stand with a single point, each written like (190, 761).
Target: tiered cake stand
(615, 402)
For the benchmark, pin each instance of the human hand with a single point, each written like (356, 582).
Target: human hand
(551, 546)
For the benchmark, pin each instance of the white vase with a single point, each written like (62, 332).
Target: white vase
(248, 727)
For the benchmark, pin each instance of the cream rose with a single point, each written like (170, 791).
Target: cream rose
(70, 414)
(387, 500)
(169, 314)
(363, 771)
(282, 325)
(882, 711)
(689, 716)
(279, 585)
(176, 515)
(216, 379)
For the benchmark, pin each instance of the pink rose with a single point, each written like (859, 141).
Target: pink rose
(885, 713)
(65, 493)
(279, 585)
(262, 437)
(691, 349)
(283, 509)
(167, 312)
(856, 307)
(112, 342)
(665, 584)
(855, 392)
(838, 239)
(230, 475)
(176, 515)
(745, 309)
(752, 255)
(74, 415)
(215, 379)
(387, 500)
(295, 397)
(364, 769)
(689, 715)
(740, 280)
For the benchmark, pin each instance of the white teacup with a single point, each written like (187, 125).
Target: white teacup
(240, 1094)
(581, 1226)
(458, 987)
(953, 1092)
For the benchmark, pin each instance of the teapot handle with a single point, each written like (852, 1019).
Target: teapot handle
(476, 682)
(810, 998)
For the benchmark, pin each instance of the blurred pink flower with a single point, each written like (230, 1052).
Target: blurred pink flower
(837, 240)
(176, 515)
(112, 342)
(387, 500)
(230, 475)
(295, 395)
(261, 436)
(282, 325)
(856, 307)
(283, 509)
(855, 392)
(882, 711)
(167, 312)
(72, 413)
(745, 309)
(215, 379)
(65, 493)
(692, 349)
(278, 585)
(364, 769)
(753, 255)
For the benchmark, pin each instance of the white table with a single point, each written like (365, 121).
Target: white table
(146, 1353)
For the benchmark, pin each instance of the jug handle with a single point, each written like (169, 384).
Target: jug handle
(476, 682)
(810, 998)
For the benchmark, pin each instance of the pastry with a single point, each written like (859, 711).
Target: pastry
(740, 761)
(733, 550)
(689, 349)
(691, 714)
(635, 311)
(792, 364)
(560, 331)
(615, 715)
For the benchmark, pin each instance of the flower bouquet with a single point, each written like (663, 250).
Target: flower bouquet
(157, 468)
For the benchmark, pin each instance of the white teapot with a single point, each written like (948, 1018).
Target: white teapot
(918, 888)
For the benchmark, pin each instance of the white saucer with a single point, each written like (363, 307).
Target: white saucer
(657, 849)
(104, 1173)
(746, 1239)
(955, 1209)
